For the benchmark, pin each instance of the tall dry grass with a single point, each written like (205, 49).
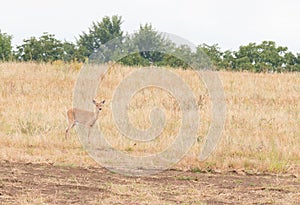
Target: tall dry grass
(262, 130)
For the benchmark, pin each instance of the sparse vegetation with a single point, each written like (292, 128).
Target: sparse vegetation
(261, 132)
(38, 165)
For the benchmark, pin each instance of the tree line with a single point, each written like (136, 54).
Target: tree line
(108, 42)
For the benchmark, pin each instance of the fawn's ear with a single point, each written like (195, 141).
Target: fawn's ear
(94, 101)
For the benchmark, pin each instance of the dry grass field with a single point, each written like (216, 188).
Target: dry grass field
(261, 136)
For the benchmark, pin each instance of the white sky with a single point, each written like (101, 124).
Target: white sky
(229, 23)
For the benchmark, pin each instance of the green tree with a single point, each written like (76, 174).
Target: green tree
(246, 57)
(70, 52)
(151, 44)
(270, 56)
(5, 47)
(297, 62)
(180, 57)
(45, 49)
(227, 60)
(99, 34)
(202, 59)
(213, 52)
(262, 57)
(144, 47)
(290, 62)
(133, 59)
(30, 50)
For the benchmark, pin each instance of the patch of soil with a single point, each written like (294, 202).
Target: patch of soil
(27, 183)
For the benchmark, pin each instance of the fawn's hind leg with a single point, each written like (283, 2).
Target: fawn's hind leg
(68, 129)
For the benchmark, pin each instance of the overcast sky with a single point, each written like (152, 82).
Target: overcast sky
(229, 23)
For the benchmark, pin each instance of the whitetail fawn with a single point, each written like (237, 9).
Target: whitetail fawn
(84, 117)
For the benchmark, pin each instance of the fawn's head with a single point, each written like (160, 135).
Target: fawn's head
(98, 104)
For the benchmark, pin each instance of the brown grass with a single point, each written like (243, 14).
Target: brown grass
(261, 133)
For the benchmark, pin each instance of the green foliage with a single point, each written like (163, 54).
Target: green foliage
(227, 60)
(149, 47)
(143, 48)
(99, 33)
(45, 49)
(148, 42)
(264, 57)
(106, 42)
(5, 47)
(146, 46)
(207, 57)
(69, 52)
(180, 57)
(213, 52)
(134, 59)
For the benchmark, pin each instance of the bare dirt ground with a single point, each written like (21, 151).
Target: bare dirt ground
(27, 183)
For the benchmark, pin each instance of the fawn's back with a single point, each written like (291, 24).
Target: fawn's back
(81, 116)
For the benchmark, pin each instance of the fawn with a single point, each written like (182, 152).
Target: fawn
(84, 117)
